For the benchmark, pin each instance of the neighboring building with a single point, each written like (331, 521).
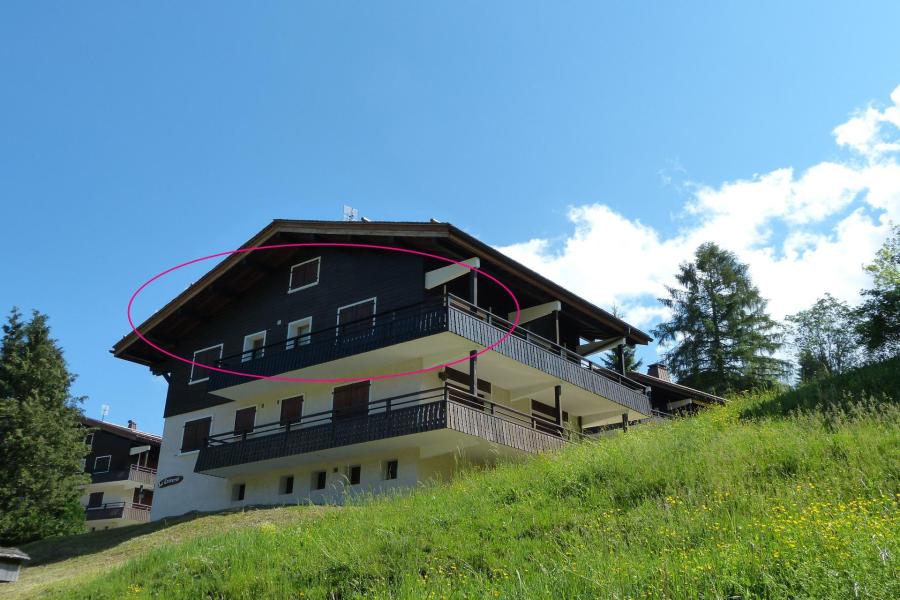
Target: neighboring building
(666, 396)
(11, 561)
(122, 464)
(329, 312)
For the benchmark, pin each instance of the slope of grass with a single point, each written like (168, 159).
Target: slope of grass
(73, 559)
(716, 506)
(878, 380)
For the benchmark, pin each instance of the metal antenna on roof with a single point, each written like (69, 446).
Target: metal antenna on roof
(350, 213)
(104, 410)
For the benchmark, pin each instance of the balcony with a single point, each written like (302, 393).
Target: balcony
(141, 475)
(438, 315)
(129, 511)
(442, 408)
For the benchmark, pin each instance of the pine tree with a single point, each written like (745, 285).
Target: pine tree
(721, 339)
(612, 359)
(41, 440)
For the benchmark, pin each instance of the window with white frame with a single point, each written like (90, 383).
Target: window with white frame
(89, 440)
(101, 463)
(304, 275)
(298, 332)
(254, 346)
(205, 356)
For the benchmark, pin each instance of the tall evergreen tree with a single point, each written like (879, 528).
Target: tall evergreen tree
(41, 440)
(824, 338)
(879, 314)
(721, 338)
(612, 359)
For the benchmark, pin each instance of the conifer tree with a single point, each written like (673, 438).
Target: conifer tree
(41, 439)
(612, 359)
(720, 337)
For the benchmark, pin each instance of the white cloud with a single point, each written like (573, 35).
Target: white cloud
(868, 132)
(802, 233)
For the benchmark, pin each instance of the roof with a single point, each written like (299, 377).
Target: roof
(14, 553)
(283, 231)
(674, 388)
(132, 434)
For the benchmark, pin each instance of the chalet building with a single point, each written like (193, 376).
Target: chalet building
(122, 464)
(669, 397)
(340, 312)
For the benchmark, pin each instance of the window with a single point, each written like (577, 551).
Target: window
(390, 469)
(206, 356)
(286, 485)
(245, 419)
(356, 320)
(298, 333)
(350, 400)
(237, 492)
(318, 480)
(353, 474)
(195, 434)
(291, 410)
(89, 440)
(304, 275)
(95, 500)
(254, 346)
(101, 464)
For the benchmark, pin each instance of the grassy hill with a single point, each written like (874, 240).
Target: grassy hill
(741, 501)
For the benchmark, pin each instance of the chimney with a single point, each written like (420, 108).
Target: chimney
(132, 425)
(658, 370)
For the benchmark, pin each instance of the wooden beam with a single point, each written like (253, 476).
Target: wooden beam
(599, 346)
(679, 404)
(443, 275)
(528, 391)
(536, 312)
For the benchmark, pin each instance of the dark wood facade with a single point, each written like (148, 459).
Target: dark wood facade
(346, 276)
(110, 458)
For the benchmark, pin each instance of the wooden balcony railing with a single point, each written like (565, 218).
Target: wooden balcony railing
(436, 315)
(417, 412)
(131, 511)
(324, 345)
(136, 473)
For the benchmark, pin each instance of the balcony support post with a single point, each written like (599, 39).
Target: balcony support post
(557, 393)
(473, 290)
(622, 359)
(473, 373)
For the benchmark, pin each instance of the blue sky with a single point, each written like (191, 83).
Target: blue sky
(135, 137)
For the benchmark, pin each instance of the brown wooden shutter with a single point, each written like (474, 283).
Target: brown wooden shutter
(244, 419)
(291, 410)
(351, 400)
(195, 434)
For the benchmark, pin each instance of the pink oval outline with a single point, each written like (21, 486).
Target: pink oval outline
(324, 379)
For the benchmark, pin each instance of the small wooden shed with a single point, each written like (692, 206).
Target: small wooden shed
(11, 560)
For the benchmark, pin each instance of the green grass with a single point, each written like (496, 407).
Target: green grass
(736, 502)
(72, 560)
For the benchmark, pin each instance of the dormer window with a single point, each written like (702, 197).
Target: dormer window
(304, 275)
